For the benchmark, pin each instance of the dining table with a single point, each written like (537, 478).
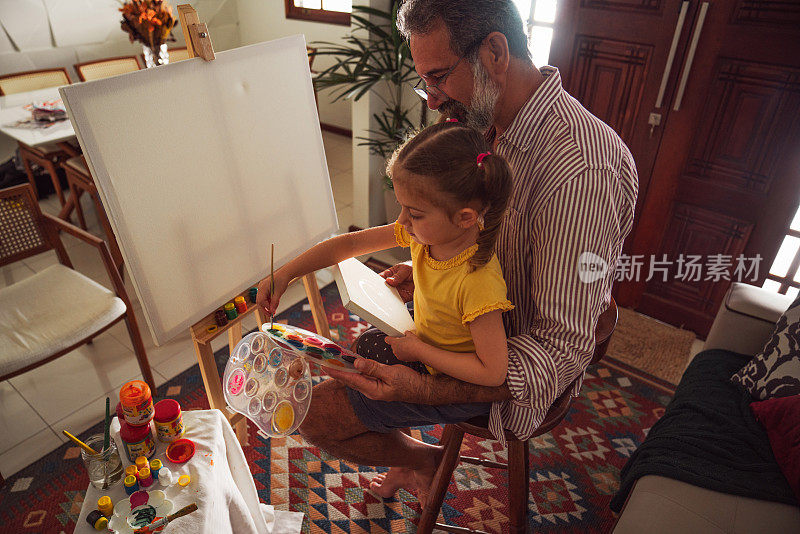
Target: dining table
(61, 133)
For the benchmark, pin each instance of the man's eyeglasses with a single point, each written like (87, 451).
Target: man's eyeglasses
(424, 90)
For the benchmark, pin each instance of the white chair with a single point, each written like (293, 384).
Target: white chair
(57, 309)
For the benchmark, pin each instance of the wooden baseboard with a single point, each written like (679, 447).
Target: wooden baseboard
(336, 129)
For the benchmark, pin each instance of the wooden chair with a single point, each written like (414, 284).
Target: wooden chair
(518, 469)
(47, 156)
(56, 310)
(80, 181)
(178, 54)
(103, 68)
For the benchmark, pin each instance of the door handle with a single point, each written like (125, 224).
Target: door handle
(671, 57)
(698, 29)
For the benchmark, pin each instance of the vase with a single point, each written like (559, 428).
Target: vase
(153, 57)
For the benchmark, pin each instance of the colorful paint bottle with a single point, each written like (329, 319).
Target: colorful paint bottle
(230, 311)
(145, 478)
(105, 506)
(241, 305)
(155, 467)
(131, 470)
(137, 402)
(138, 440)
(131, 485)
(168, 420)
(96, 519)
(220, 318)
(141, 462)
(252, 293)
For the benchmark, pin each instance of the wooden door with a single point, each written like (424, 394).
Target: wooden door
(725, 175)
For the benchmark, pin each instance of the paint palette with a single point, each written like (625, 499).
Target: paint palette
(314, 348)
(268, 383)
(139, 510)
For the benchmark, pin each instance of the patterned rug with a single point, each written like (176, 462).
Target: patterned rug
(574, 469)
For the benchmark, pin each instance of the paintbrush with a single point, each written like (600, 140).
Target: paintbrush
(271, 281)
(164, 520)
(107, 434)
(80, 443)
(106, 441)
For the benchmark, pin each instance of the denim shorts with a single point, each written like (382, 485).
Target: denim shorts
(383, 416)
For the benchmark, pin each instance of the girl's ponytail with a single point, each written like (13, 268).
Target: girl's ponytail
(496, 177)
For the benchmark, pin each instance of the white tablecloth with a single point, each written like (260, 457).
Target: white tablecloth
(221, 485)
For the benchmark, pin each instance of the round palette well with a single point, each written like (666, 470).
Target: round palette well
(313, 347)
(266, 385)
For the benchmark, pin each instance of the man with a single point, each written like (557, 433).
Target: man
(573, 201)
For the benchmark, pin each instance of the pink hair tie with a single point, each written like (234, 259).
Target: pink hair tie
(481, 157)
(450, 120)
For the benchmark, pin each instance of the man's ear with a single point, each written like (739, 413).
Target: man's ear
(466, 218)
(495, 55)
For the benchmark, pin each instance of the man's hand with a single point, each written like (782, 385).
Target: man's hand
(401, 278)
(406, 348)
(385, 382)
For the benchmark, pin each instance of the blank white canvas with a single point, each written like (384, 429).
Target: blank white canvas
(200, 166)
(365, 293)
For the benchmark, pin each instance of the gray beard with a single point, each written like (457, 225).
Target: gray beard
(480, 113)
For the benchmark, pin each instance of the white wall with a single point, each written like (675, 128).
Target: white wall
(265, 20)
(21, 53)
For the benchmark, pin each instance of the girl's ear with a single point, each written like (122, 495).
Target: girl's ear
(466, 218)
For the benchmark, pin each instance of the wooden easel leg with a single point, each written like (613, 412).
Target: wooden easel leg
(240, 429)
(317, 307)
(208, 368)
(234, 336)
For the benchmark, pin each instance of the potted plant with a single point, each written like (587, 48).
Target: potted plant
(374, 57)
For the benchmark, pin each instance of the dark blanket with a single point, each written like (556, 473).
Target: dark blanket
(709, 438)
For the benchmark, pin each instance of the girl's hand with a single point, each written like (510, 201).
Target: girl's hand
(401, 278)
(406, 348)
(263, 299)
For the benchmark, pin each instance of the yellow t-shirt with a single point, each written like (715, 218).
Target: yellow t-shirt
(447, 296)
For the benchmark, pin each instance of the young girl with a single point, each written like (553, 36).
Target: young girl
(453, 193)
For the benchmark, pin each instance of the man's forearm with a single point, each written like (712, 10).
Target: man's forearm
(443, 389)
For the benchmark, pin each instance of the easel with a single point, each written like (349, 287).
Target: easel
(198, 43)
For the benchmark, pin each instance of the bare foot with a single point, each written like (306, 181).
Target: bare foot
(386, 484)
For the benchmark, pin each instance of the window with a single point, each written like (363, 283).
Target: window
(330, 11)
(538, 17)
(784, 274)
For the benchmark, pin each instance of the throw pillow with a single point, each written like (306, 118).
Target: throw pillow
(775, 371)
(781, 418)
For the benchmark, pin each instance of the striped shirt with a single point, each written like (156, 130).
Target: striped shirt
(575, 188)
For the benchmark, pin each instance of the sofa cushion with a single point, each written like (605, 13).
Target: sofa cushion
(781, 418)
(775, 371)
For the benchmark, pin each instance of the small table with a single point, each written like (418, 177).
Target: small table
(221, 484)
(12, 109)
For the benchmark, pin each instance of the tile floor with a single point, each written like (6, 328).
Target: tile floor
(69, 392)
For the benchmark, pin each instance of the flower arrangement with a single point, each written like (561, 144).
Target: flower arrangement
(148, 21)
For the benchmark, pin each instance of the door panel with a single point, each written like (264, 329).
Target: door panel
(731, 149)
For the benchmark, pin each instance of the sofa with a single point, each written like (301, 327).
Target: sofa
(692, 499)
